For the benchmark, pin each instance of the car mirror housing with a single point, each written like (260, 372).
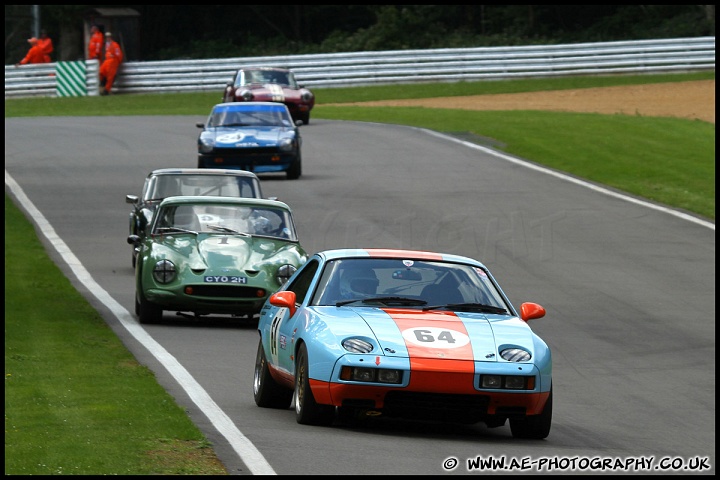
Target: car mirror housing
(529, 311)
(286, 299)
(133, 239)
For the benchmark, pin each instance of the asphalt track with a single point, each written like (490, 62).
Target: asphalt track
(629, 288)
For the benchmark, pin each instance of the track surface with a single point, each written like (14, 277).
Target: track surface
(629, 289)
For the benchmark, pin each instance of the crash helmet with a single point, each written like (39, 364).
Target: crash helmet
(358, 283)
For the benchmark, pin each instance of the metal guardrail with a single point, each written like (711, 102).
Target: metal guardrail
(390, 67)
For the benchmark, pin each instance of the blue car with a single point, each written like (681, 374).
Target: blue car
(420, 335)
(259, 137)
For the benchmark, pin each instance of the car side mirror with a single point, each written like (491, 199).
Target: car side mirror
(529, 311)
(132, 199)
(200, 125)
(286, 299)
(133, 239)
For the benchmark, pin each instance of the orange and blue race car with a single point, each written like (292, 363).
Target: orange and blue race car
(400, 333)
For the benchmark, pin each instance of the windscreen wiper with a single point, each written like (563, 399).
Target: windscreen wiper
(174, 230)
(481, 307)
(220, 228)
(386, 301)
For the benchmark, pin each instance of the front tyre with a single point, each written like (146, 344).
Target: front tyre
(535, 427)
(307, 411)
(295, 170)
(147, 311)
(266, 390)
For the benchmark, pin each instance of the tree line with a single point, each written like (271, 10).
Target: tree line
(168, 32)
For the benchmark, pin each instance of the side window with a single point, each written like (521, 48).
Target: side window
(302, 282)
(245, 188)
(148, 191)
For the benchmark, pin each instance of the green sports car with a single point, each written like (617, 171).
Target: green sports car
(214, 255)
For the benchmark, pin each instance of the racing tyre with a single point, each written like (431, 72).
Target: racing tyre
(295, 170)
(535, 427)
(266, 390)
(147, 312)
(307, 411)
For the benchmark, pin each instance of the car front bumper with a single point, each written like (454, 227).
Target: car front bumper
(258, 163)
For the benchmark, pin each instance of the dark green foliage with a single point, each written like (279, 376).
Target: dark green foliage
(226, 31)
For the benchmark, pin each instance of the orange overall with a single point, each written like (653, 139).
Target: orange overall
(46, 46)
(95, 45)
(35, 54)
(109, 67)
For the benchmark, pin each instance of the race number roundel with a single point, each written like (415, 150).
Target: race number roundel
(433, 337)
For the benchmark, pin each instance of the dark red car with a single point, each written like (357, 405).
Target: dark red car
(269, 84)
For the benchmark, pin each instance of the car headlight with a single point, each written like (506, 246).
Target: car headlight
(246, 95)
(509, 382)
(206, 142)
(164, 271)
(306, 96)
(284, 273)
(371, 375)
(516, 355)
(286, 145)
(355, 345)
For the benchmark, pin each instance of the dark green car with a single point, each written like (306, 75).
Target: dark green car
(214, 255)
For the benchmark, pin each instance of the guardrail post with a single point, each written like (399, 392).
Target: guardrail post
(92, 77)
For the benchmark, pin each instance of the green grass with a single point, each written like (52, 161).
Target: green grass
(76, 401)
(73, 393)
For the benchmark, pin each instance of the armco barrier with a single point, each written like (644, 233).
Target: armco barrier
(389, 67)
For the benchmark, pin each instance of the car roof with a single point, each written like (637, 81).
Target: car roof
(201, 171)
(281, 69)
(374, 253)
(205, 200)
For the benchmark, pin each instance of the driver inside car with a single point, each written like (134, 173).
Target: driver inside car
(358, 284)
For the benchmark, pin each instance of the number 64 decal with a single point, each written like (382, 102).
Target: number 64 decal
(435, 337)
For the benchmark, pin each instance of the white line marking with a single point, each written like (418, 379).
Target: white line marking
(583, 183)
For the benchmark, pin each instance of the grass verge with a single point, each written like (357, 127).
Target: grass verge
(76, 400)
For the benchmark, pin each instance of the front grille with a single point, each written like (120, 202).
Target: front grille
(436, 406)
(228, 291)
